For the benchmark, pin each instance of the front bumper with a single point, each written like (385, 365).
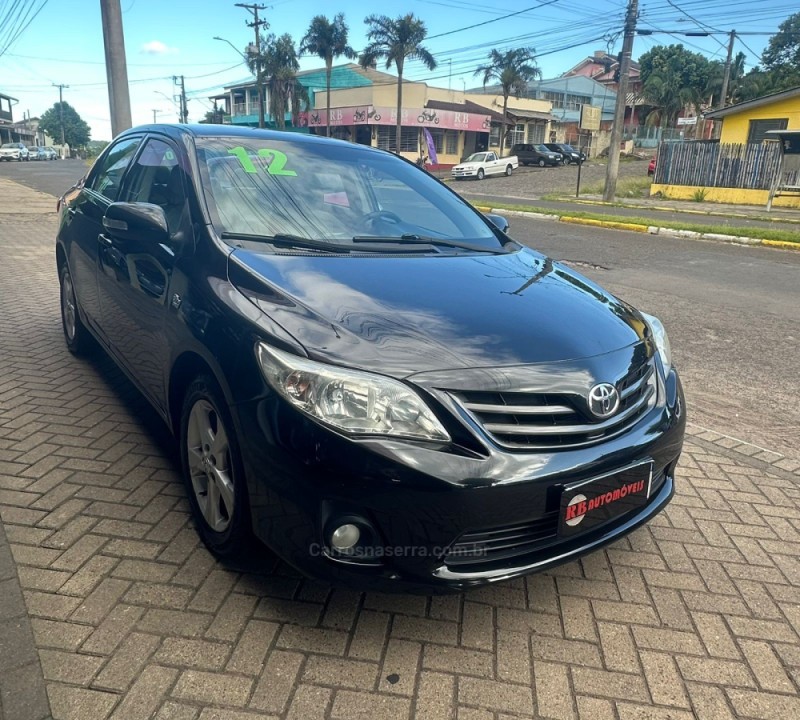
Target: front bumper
(464, 173)
(417, 500)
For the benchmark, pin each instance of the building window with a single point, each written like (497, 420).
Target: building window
(566, 101)
(494, 135)
(759, 128)
(536, 133)
(438, 140)
(409, 138)
(451, 142)
(516, 134)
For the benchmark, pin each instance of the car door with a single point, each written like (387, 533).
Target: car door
(134, 276)
(489, 164)
(82, 223)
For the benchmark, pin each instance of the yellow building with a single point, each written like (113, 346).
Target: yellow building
(746, 124)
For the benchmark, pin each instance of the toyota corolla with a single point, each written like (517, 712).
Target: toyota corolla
(362, 371)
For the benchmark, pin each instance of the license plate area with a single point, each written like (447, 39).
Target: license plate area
(590, 503)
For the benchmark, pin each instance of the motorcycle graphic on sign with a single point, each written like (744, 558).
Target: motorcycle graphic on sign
(428, 116)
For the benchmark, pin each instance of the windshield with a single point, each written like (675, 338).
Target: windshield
(476, 157)
(11, 145)
(568, 148)
(328, 192)
(541, 149)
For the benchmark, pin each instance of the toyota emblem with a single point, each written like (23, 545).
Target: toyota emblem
(603, 400)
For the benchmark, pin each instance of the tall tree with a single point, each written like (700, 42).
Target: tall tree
(396, 40)
(673, 78)
(513, 70)
(783, 50)
(327, 40)
(279, 66)
(76, 130)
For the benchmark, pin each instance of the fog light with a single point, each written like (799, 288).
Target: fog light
(345, 537)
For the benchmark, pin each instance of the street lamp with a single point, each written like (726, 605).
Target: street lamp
(252, 53)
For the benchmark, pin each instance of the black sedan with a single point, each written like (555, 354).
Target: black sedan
(530, 154)
(362, 371)
(568, 153)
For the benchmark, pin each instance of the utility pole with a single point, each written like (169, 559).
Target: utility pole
(183, 111)
(119, 99)
(61, 109)
(612, 169)
(727, 77)
(256, 25)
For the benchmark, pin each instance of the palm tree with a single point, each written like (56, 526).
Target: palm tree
(327, 40)
(279, 65)
(396, 41)
(666, 93)
(513, 70)
(716, 78)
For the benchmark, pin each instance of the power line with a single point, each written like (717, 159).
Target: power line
(493, 20)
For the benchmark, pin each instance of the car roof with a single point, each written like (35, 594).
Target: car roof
(203, 130)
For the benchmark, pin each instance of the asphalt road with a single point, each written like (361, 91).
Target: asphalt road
(731, 311)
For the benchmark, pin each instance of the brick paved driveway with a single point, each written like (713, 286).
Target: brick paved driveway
(696, 615)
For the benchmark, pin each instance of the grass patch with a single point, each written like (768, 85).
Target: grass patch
(632, 187)
(757, 232)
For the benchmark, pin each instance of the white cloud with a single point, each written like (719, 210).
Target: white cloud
(156, 47)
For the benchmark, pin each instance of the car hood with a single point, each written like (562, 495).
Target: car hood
(406, 314)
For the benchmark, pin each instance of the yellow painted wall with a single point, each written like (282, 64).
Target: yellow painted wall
(735, 127)
(734, 196)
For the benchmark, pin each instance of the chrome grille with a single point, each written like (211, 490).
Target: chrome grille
(529, 421)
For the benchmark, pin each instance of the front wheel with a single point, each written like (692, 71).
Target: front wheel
(480, 174)
(541, 163)
(213, 470)
(509, 170)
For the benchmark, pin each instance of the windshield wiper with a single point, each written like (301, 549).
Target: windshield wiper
(291, 241)
(295, 241)
(412, 239)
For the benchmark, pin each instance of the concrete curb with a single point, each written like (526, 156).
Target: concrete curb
(649, 229)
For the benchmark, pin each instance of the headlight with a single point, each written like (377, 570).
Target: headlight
(355, 402)
(661, 339)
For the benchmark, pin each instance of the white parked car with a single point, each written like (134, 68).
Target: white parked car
(480, 164)
(14, 151)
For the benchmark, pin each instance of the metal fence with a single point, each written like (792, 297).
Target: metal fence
(711, 164)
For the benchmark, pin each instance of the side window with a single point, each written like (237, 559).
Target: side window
(157, 178)
(108, 178)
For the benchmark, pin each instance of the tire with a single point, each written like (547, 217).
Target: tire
(76, 336)
(480, 174)
(509, 170)
(213, 471)
(541, 163)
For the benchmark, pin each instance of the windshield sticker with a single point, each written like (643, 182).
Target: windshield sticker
(276, 161)
(244, 159)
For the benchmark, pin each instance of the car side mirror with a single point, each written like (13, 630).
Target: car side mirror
(498, 221)
(140, 222)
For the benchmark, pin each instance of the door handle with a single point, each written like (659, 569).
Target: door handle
(72, 212)
(105, 240)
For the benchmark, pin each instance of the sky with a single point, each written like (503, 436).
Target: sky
(165, 38)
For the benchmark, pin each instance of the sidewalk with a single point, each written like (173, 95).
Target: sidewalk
(695, 616)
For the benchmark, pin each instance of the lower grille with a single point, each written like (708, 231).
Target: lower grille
(490, 546)
(532, 421)
(499, 547)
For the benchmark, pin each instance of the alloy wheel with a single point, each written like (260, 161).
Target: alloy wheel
(68, 306)
(209, 460)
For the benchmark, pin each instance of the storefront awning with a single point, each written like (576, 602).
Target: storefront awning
(532, 115)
